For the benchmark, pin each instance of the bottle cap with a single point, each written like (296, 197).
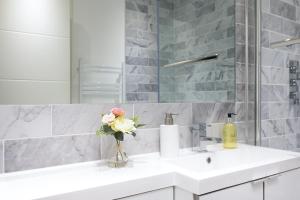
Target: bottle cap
(169, 119)
(230, 115)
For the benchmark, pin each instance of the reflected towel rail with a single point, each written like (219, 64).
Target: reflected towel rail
(286, 42)
(201, 59)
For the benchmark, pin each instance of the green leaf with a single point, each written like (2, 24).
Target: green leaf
(140, 125)
(119, 136)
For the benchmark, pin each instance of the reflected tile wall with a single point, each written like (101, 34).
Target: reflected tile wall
(189, 30)
(141, 51)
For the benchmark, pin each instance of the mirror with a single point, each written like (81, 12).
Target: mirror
(100, 51)
(61, 51)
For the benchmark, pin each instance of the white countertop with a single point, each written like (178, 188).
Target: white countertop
(144, 173)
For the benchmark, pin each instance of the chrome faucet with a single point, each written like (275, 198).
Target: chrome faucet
(201, 139)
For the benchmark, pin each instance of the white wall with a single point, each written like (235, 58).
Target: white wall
(98, 35)
(34, 51)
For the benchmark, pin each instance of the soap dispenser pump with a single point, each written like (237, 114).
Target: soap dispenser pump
(230, 133)
(169, 137)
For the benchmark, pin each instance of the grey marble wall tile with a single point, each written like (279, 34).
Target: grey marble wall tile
(211, 112)
(84, 118)
(240, 92)
(147, 88)
(185, 136)
(146, 141)
(240, 14)
(271, 128)
(283, 9)
(136, 69)
(292, 142)
(132, 5)
(273, 58)
(45, 152)
(294, 111)
(241, 131)
(293, 126)
(1, 157)
(278, 110)
(141, 79)
(280, 142)
(298, 140)
(240, 33)
(264, 111)
(265, 40)
(138, 97)
(25, 121)
(291, 28)
(274, 93)
(153, 115)
(288, 142)
(272, 22)
(265, 142)
(240, 111)
(275, 75)
(240, 53)
(265, 5)
(141, 49)
(245, 132)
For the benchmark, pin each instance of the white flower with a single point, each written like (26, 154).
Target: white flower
(123, 125)
(108, 118)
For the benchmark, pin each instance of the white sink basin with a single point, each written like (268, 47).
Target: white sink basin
(221, 159)
(200, 173)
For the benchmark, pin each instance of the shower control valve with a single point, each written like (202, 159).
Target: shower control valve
(293, 69)
(293, 95)
(293, 82)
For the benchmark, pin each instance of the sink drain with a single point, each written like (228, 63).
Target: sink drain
(208, 160)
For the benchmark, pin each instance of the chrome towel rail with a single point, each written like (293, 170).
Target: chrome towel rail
(286, 42)
(201, 59)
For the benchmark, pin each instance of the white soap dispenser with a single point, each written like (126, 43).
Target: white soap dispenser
(169, 137)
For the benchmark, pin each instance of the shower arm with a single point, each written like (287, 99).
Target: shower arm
(201, 59)
(286, 42)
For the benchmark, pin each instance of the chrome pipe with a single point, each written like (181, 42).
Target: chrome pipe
(258, 138)
(201, 59)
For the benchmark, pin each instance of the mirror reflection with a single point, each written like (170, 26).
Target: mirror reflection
(99, 51)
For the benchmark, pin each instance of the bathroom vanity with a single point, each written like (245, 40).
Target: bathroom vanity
(248, 173)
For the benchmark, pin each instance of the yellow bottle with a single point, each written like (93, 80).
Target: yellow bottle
(229, 133)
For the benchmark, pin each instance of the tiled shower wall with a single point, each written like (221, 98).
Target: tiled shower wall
(191, 29)
(49, 135)
(280, 116)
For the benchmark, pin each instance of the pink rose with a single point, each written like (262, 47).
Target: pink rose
(118, 112)
(108, 119)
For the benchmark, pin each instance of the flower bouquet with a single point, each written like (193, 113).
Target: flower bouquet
(117, 125)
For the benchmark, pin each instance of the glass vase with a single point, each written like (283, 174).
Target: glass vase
(119, 158)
